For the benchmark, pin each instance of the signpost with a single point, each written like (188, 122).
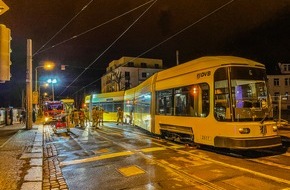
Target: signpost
(3, 7)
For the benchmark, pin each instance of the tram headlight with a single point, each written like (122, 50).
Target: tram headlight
(275, 128)
(244, 130)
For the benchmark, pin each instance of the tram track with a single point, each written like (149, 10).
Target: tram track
(223, 151)
(171, 146)
(191, 179)
(109, 134)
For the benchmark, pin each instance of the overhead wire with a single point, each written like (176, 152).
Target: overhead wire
(91, 29)
(167, 39)
(73, 18)
(121, 35)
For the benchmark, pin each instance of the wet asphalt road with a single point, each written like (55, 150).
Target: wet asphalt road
(124, 157)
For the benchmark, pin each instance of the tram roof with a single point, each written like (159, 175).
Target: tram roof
(207, 62)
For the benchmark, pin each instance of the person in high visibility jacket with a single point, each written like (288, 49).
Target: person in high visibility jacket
(76, 117)
(95, 116)
(120, 116)
(82, 118)
(101, 116)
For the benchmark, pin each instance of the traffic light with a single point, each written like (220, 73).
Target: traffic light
(5, 51)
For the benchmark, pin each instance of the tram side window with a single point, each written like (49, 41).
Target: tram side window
(181, 100)
(164, 102)
(143, 103)
(118, 104)
(107, 106)
(184, 101)
(129, 106)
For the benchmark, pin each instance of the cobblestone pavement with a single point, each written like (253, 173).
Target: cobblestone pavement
(16, 161)
(12, 168)
(52, 175)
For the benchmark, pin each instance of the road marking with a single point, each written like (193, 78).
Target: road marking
(177, 146)
(152, 149)
(96, 158)
(280, 180)
(277, 179)
(112, 155)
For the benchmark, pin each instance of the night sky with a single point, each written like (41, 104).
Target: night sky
(106, 30)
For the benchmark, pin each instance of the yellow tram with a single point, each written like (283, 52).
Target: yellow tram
(221, 101)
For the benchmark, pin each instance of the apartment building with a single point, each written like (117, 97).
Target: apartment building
(279, 85)
(128, 72)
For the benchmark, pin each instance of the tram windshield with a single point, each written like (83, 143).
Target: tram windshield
(246, 100)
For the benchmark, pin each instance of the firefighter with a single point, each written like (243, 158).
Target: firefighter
(95, 116)
(120, 115)
(101, 116)
(82, 118)
(76, 117)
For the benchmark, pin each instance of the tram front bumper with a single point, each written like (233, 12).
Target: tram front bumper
(247, 143)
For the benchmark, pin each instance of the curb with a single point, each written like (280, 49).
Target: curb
(34, 176)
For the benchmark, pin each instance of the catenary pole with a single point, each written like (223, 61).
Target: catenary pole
(29, 85)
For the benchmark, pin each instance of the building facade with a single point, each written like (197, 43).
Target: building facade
(128, 72)
(279, 86)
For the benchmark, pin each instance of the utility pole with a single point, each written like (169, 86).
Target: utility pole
(29, 85)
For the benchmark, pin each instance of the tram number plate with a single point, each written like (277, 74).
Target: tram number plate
(263, 129)
(205, 138)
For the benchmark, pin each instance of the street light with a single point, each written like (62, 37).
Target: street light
(47, 66)
(52, 81)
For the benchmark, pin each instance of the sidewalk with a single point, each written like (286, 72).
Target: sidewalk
(21, 158)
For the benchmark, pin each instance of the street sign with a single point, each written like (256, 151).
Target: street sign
(3, 7)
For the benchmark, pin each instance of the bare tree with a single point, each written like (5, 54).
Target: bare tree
(116, 77)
